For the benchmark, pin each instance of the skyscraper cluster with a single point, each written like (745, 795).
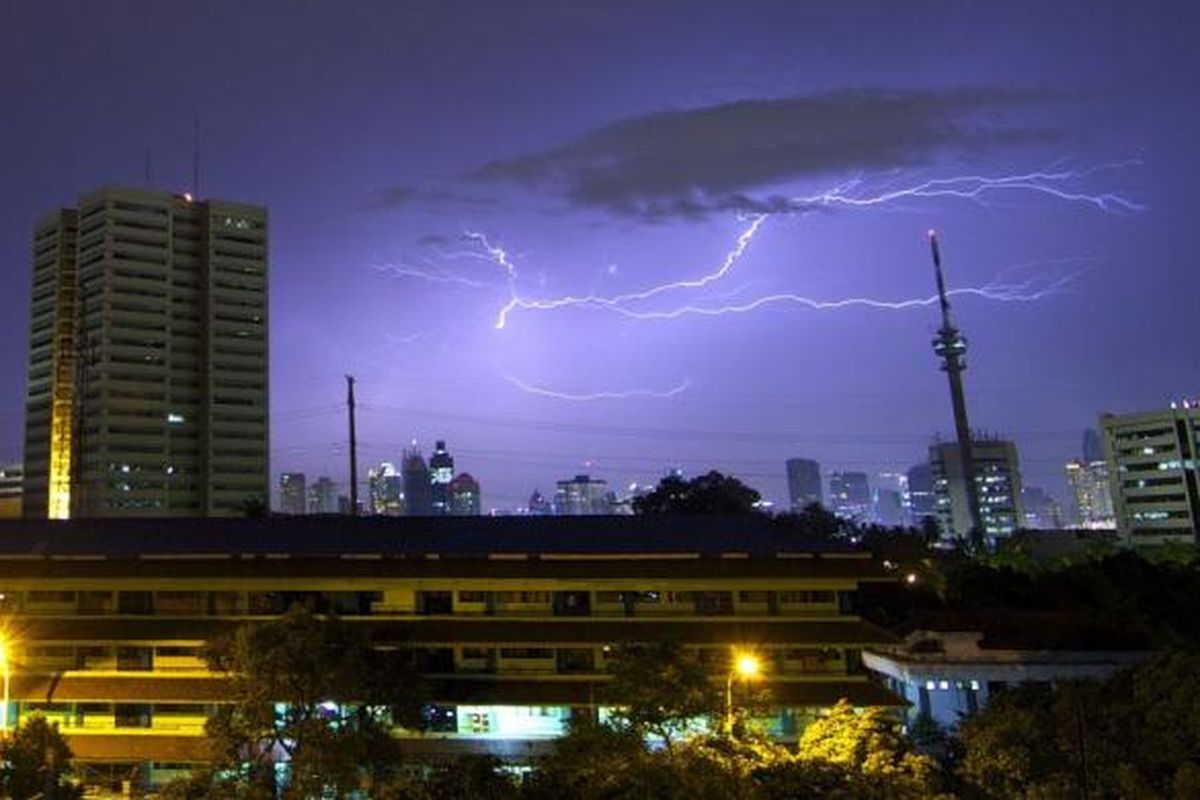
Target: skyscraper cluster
(417, 489)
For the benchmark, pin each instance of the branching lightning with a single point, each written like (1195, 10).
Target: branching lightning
(609, 395)
(976, 187)
(1054, 183)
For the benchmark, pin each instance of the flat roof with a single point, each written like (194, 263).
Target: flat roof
(426, 537)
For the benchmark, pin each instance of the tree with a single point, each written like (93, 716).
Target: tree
(712, 493)
(35, 760)
(1136, 735)
(660, 689)
(870, 745)
(314, 693)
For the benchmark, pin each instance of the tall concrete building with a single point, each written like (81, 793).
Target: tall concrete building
(997, 487)
(920, 499)
(387, 490)
(148, 358)
(1091, 493)
(850, 495)
(293, 493)
(465, 500)
(804, 482)
(582, 495)
(418, 501)
(1154, 473)
(323, 496)
(441, 473)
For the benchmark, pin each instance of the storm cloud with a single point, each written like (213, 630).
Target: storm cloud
(693, 162)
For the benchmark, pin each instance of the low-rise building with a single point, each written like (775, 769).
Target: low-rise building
(948, 675)
(511, 621)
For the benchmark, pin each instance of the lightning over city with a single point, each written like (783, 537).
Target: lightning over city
(849, 195)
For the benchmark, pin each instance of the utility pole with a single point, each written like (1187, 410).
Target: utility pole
(951, 347)
(353, 447)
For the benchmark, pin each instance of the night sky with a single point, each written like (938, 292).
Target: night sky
(608, 149)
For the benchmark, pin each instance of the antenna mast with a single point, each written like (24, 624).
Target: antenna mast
(951, 347)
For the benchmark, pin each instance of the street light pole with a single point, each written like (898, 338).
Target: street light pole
(746, 666)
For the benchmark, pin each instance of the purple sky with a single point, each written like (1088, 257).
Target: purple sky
(610, 148)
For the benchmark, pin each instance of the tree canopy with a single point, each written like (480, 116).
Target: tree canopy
(35, 760)
(711, 493)
(313, 693)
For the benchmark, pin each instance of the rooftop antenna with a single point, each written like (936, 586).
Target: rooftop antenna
(951, 347)
(196, 158)
(353, 447)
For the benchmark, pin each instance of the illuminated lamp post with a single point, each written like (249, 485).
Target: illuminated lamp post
(745, 665)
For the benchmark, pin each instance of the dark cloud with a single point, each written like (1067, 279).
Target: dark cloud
(690, 163)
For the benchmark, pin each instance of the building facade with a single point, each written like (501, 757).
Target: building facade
(418, 500)
(998, 487)
(148, 358)
(850, 495)
(386, 485)
(582, 495)
(946, 676)
(323, 496)
(465, 500)
(512, 622)
(293, 493)
(1091, 493)
(920, 501)
(1154, 472)
(12, 478)
(804, 483)
(441, 473)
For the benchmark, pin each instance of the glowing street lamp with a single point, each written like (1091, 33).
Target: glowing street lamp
(746, 666)
(4, 647)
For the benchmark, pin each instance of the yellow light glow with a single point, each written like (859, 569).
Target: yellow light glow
(748, 665)
(60, 460)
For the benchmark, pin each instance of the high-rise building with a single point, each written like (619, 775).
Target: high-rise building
(293, 498)
(418, 501)
(850, 495)
(1091, 493)
(464, 496)
(148, 358)
(386, 485)
(997, 486)
(804, 482)
(11, 480)
(1154, 473)
(441, 472)
(921, 502)
(323, 496)
(582, 495)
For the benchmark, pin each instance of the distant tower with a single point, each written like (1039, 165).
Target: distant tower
(441, 472)
(417, 499)
(951, 347)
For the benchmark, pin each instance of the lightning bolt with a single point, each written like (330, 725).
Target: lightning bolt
(609, 395)
(1053, 183)
(975, 187)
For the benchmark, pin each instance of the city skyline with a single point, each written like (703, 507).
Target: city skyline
(421, 195)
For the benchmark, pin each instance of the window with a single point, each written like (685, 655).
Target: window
(472, 597)
(526, 652)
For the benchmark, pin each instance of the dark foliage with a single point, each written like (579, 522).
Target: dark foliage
(712, 493)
